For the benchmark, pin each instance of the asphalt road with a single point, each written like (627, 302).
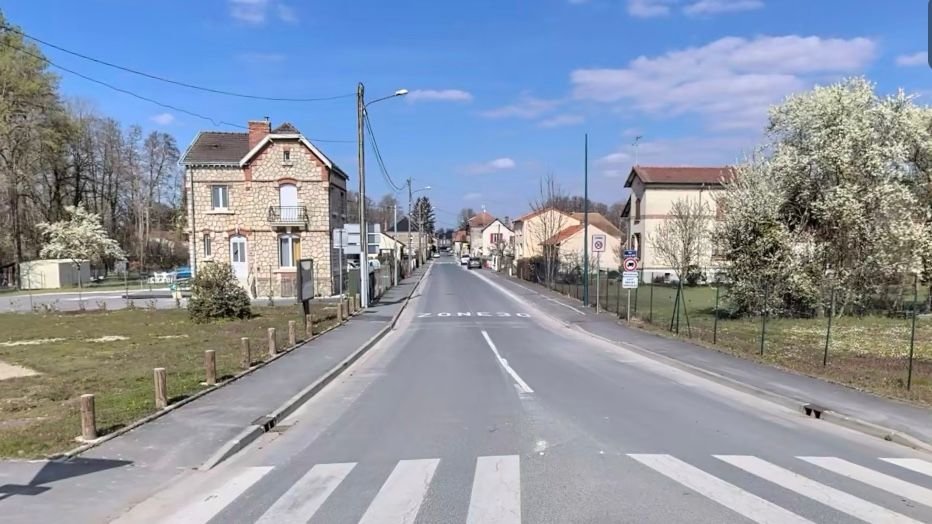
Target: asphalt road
(481, 409)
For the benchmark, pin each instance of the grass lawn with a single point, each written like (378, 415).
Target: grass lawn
(866, 352)
(112, 354)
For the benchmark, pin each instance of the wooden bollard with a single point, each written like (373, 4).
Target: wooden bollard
(88, 418)
(345, 306)
(357, 302)
(292, 339)
(308, 326)
(351, 305)
(272, 348)
(210, 367)
(245, 355)
(339, 312)
(161, 388)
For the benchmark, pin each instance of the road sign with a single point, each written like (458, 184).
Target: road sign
(629, 280)
(631, 264)
(631, 253)
(598, 243)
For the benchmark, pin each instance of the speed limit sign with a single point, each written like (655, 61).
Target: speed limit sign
(598, 243)
(631, 264)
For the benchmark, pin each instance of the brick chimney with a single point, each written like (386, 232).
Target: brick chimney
(258, 129)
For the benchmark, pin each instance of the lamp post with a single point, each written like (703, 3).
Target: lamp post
(411, 192)
(361, 106)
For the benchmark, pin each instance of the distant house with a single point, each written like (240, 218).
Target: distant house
(496, 238)
(460, 242)
(570, 243)
(653, 190)
(260, 201)
(553, 228)
(407, 231)
(477, 224)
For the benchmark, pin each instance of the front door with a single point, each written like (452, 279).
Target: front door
(288, 200)
(238, 258)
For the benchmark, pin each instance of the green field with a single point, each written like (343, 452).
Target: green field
(112, 354)
(869, 352)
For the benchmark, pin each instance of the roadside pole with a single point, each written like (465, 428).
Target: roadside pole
(598, 281)
(630, 278)
(586, 221)
(912, 336)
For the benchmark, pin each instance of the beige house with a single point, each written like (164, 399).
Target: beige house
(570, 244)
(262, 200)
(496, 238)
(477, 225)
(652, 192)
(539, 228)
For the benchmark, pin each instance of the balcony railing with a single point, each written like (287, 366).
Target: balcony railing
(287, 215)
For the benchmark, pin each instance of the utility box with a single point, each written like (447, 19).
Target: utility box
(54, 273)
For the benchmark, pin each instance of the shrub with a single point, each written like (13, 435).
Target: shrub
(215, 293)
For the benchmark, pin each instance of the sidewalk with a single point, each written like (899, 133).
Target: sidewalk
(854, 407)
(101, 482)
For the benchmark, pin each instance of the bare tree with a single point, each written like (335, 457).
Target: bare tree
(682, 239)
(547, 222)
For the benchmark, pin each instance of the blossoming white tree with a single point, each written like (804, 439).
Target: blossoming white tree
(844, 190)
(80, 237)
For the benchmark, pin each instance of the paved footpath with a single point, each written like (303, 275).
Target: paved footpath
(886, 413)
(131, 467)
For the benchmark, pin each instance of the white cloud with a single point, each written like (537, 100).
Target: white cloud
(498, 164)
(472, 196)
(649, 8)
(695, 151)
(730, 82)
(913, 59)
(163, 119)
(527, 106)
(258, 57)
(709, 7)
(256, 12)
(444, 95)
(561, 120)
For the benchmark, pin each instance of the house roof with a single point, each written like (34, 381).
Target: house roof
(217, 147)
(481, 220)
(286, 129)
(564, 233)
(532, 214)
(492, 223)
(402, 226)
(600, 221)
(459, 236)
(681, 175)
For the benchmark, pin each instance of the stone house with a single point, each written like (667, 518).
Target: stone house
(477, 224)
(652, 192)
(261, 201)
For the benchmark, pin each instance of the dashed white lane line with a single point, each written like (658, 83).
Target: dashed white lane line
(522, 385)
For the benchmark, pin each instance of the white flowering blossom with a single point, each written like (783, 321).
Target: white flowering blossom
(79, 237)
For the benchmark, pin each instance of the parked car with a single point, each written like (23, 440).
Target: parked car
(474, 263)
(464, 260)
(436, 254)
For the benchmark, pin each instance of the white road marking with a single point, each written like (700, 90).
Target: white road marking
(873, 478)
(732, 497)
(555, 301)
(521, 383)
(399, 499)
(831, 497)
(496, 491)
(917, 465)
(308, 494)
(207, 507)
(521, 300)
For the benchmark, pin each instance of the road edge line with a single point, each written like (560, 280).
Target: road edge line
(833, 417)
(254, 431)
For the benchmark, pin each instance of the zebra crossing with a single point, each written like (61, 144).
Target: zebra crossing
(495, 496)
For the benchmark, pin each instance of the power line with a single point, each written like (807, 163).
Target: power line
(169, 80)
(378, 156)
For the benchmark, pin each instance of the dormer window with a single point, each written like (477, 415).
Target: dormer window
(286, 156)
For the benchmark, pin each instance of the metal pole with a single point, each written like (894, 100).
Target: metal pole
(650, 305)
(586, 221)
(363, 231)
(763, 321)
(598, 282)
(340, 287)
(410, 240)
(715, 312)
(912, 336)
(828, 332)
(628, 308)
(394, 262)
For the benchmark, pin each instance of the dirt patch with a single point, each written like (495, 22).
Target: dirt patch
(31, 342)
(8, 371)
(108, 338)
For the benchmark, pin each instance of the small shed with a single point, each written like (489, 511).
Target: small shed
(54, 273)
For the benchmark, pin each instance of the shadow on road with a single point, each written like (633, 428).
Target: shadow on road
(59, 470)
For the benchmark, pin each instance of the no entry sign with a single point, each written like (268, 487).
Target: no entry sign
(598, 243)
(631, 264)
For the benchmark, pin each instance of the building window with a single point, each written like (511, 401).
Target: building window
(637, 210)
(220, 197)
(207, 249)
(637, 245)
(289, 251)
(286, 156)
(495, 238)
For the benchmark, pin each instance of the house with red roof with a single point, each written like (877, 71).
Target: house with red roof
(652, 192)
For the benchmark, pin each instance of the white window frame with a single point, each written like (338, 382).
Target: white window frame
(208, 249)
(225, 194)
(291, 237)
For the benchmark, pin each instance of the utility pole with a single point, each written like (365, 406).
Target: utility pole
(410, 245)
(363, 230)
(395, 235)
(586, 221)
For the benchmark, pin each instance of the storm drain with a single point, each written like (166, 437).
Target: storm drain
(266, 422)
(813, 410)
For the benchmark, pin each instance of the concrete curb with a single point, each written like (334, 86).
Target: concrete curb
(805, 408)
(254, 431)
(149, 418)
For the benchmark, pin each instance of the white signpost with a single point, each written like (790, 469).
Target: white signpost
(598, 243)
(629, 278)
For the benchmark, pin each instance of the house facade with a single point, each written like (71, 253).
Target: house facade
(652, 193)
(261, 201)
(534, 228)
(477, 225)
(496, 238)
(570, 245)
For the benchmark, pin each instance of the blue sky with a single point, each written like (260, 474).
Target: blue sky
(502, 91)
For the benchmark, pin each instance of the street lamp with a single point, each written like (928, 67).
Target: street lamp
(361, 106)
(410, 193)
